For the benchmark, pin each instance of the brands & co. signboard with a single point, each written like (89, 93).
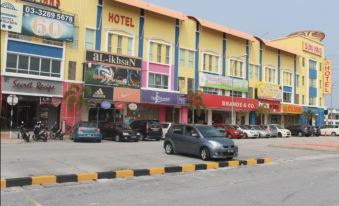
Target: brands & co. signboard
(226, 102)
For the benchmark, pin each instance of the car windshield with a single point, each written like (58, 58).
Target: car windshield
(245, 127)
(279, 127)
(87, 124)
(209, 131)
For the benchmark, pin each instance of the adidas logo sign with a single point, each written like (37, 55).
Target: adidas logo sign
(99, 94)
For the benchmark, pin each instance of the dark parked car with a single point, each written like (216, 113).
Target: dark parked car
(119, 132)
(301, 130)
(148, 129)
(200, 140)
(316, 131)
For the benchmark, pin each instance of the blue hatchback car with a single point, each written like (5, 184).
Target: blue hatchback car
(86, 131)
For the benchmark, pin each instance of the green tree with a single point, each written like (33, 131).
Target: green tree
(195, 103)
(260, 112)
(75, 96)
(308, 115)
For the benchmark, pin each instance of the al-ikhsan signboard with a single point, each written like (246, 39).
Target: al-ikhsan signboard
(221, 82)
(47, 24)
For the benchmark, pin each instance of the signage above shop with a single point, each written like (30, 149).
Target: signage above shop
(99, 92)
(47, 24)
(49, 3)
(328, 77)
(11, 16)
(291, 109)
(133, 106)
(120, 19)
(12, 100)
(272, 106)
(126, 95)
(312, 48)
(226, 102)
(45, 100)
(221, 82)
(119, 105)
(163, 98)
(98, 74)
(107, 58)
(31, 86)
(269, 91)
(105, 104)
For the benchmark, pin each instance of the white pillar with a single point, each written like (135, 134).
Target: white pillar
(234, 118)
(209, 117)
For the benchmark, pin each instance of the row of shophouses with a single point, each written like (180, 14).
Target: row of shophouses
(140, 60)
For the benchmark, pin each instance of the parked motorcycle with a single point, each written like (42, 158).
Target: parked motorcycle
(56, 133)
(23, 132)
(39, 132)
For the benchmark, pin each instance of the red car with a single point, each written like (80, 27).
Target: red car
(230, 131)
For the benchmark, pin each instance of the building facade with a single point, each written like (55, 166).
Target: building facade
(136, 60)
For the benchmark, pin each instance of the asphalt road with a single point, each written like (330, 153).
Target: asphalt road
(310, 179)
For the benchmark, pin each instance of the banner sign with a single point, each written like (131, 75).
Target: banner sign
(221, 82)
(225, 102)
(47, 24)
(271, 106)
(269, 91)
(167, 98)
(126, 95)
(112, 76)
(107, 58)
(312, 48)
(11, 16)
(98, 92)
(328, 77)
(55, 4)
(291, 109)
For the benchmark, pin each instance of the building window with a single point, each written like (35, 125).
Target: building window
(130, 46)
(162, 52)
(190, 84)
(253, 72)
(159, 53)
(17, 63)
(167, 54)
(312, 101)
(210, 90)
(158, 81)
(320, 84)
(303, 99)
(312, 65)
(71, 70)
(320, 101)
(313, 83)
(303, 61)
(287, 78)
(151, 48)
(296, 100)
(211, 63)
(236, 68)
(235, 94)
(320, 67)
(287, 97)
(190, 59)
(297, 80)
(90, 39)
(270, 75)
(182, 58)
(74, 43)
(303, 80)
(181, 82)
(119, 45)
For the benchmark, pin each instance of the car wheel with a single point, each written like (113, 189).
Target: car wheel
(204, 154)
(333, 134)
(300, 134)
(279, 134)
(117, 138)
(169, 148)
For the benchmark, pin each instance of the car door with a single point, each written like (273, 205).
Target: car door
(191, 142)
(177, 138)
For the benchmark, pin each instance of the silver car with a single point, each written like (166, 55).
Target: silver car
(200, 140)
(263, 133)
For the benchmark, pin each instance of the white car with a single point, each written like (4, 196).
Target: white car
(165, 126)
(249, 133)
(279, 130)
(332, 130)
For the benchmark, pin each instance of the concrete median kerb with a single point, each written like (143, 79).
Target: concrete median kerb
(126, 173)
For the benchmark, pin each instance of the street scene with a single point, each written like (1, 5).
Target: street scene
(153, 102)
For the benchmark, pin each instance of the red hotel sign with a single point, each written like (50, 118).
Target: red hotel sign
(328, 77)
(311, 48)
(120, 19)
(225, 102)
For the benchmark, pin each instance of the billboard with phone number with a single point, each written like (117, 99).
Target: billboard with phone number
(47, 24)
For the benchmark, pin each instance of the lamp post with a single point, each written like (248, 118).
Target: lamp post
(232, 95)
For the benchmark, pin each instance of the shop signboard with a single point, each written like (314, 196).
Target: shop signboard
(328, 77)
(11, 16)
(99, 92)
(27, 86)
(45, 100)
(126, 95)
(312, 48)
(163, 98)
(273, 107)
(112, 59)
(268, 91)
(226, 102)
(47, 24)
(105, 104)
(105, 75)
(55, 4)
(221, 82)
(291, 109)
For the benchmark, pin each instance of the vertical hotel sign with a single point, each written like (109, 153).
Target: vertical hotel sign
(11, 16)
(328, 77)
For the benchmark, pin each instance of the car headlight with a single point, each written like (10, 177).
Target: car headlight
(125, 133)
(214, 143)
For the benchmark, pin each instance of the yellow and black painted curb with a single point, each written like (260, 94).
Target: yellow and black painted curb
(81, 177)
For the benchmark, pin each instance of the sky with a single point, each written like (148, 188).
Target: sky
(271, 19)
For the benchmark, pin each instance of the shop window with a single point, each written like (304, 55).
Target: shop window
(235, 94)
(33, 65)
(211, 63)
(190, 59)
(182, 58)
(253, 72)
(287, 97)
(71, 70)
(181, 82)
(158, 81)
(90, 39)
(236, 68)
(190, 84)
(287, 78)
(270, 75)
